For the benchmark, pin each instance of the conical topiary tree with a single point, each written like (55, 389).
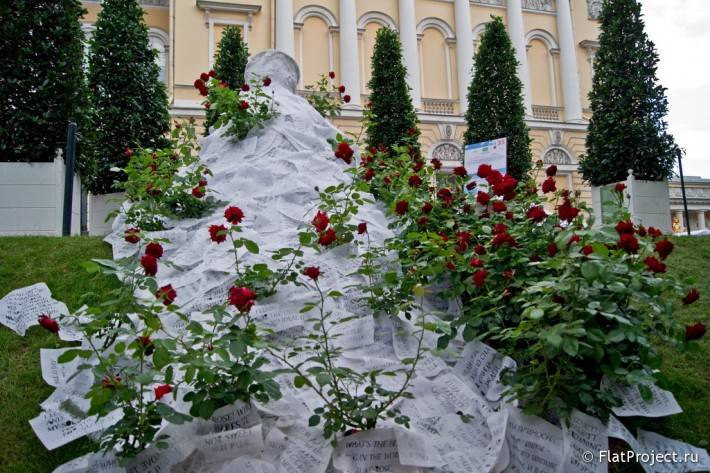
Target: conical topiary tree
(229, 64)
(395, 120)
(627, 129)
(130, 106)
(41, 76)
(495, 99)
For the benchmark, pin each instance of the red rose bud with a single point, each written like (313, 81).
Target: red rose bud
(625, 226)
(150, 265)
(551, 170)
(427, 207)
(128, 152)
(242, 298)
(207, 104)
(245, 87)
(341, 89)
(460, 171)
(212, 73)
(483, 197)
(629, 243)
(663, 247)
(415, 181)
(423, 221)
(551, 250)
(49, 323)
(154, 249)
(502, 239)
(471, 185)
(320, 221)
(536, 213)
(620, 187)
(198, 192)
(587, 250)
(484, 170)
(266, 81)
(653, 265)
(436, 163)
(445, 196)
(479, 277)
(361, 228)
(203, 91)
(692, 296)
(199, 84)
(369, 174)
(573, 239)
(346, 98)
(566, 212)
(549, 185)
(401, 207)
(166, 294)
(147, 343)
(244, 105)
(218, 233)
(132, 235)
(642, 231)
(654, 232)
(234, 215)
(695, 331)
(162, 390)
(418, 165)
(509, 215)
(480, 249)
(499, 206)
(312, 272)
(332, 74)
(476, 262)
(327, 237)
(500, 228)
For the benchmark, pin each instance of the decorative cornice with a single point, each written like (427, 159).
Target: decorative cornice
(230, 7)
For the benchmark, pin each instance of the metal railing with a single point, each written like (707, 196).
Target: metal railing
(547, 113)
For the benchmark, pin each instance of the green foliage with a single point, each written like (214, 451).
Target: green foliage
(167, 183)
(628, 128)
(128, 99)
(392, 117)
(41, 77)
(229, 64)
(495, 103)
(325, 97)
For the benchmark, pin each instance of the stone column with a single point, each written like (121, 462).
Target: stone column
(701, 219)
(284, 27)
(464, 49)
(517, 37)
(408, 37)
(349, 54)
(568, 63)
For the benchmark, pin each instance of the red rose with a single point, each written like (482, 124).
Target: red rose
(502, 239)
(218, 233)
(436, 163)
(506, 186)
(198, 192)
(471, 185)
(245, 87)
(362, 228)
(479, 249)
(244, 105)
(482, 197)
(154, 249)
(166, 294)
(642, 231)
(443, 236)
(320, 221)
(332, 74)
(466, 208)
(327, 237)
(692, 296)
(49, 323)
(369, 174)
(551, 170)
(207, 105)
(499, 206)
(162, 390)
(427, 207)
(695, 331)
(573, 239)
(418, 165)
(479, 277)
(341, 89)
(132, 235)
(312, 272)
(500, 228)
(549, 185)
(476, 262)
(494, 177)
(587, 250)
(653, 265)
(128, 152)
(628, 242)
(462, 239)
(147, 344)
(460, 171)
(567, 212)
(450, 265)
(654, 232)
(204, 77)
(509, 215)
(344, 152)
(423, 221)
(199, 84)
(234, 215)
(663, 247)
(387, 180)
(266, 81)
(551, 250)
(203, 90)
(212, 73)
(536, 213)
(346, 98)
(242, 298)
(619, 187)
(415, 181)
(401, 207)
(484, 170)
(625, 226)
(150, 264)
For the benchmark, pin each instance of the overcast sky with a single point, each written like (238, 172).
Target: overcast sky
(681, 31)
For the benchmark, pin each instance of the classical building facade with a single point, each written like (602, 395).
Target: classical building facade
(697, 193)
(555, 43)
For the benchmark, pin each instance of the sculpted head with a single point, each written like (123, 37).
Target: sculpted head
(280, 67)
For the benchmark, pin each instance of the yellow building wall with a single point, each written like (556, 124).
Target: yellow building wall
(435, 77)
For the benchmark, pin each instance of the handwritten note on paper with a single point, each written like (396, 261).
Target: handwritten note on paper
(683, 456)
(661, 404)
(54, 373)
(480, 366)
(21, 308)
(55, 428)
(584, 434)
(535, 445)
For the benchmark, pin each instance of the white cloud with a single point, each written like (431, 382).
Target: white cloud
(681, 31)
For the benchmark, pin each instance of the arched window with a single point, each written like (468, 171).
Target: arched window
(543, 55)
(367, 27)
(435, 37)
(159, 41)
(315, 26)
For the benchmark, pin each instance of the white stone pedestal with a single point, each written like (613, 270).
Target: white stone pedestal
(98, 209)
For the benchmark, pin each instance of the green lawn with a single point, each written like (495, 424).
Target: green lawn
(28, 260)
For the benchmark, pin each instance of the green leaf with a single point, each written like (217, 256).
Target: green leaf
(323, 378)
(251, 246)
(313, 420)
(299, 381)
(161, 358)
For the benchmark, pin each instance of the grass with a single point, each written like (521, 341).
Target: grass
(56, 261)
